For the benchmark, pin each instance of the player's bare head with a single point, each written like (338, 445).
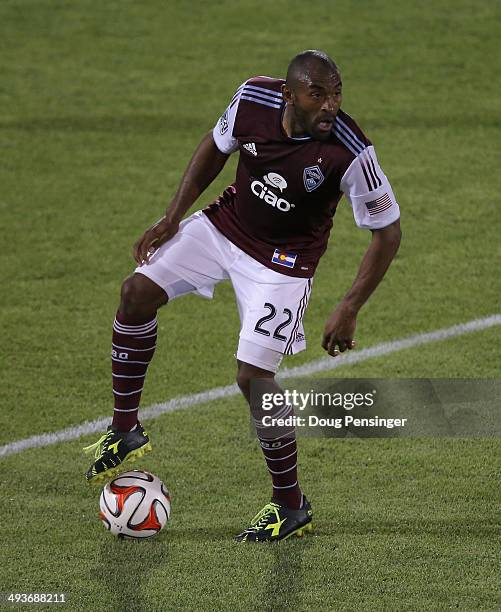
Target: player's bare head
(310, 65)
(312, 91)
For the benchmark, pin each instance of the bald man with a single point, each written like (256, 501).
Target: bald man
(298, 154)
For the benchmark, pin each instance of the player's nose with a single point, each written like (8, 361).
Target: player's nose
(331, 104)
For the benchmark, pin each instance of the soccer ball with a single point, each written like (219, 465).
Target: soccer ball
(135, 505)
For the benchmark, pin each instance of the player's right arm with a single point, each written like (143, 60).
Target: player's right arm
(206, 163)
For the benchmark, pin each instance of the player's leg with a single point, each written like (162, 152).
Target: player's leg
(188, 263)
(133, 346)
(278, 443)
(271, 307)
(289, 512)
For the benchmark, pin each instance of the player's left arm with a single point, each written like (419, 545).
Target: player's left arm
(375, 208)
(340, 327)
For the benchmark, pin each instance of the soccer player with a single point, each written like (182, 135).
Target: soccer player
(298, 154)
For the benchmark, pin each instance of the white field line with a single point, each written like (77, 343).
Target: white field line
(320, 365)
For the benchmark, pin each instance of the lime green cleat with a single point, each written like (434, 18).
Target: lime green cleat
(275, 522)
(114, 450)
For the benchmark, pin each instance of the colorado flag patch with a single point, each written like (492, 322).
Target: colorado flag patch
(282, 258)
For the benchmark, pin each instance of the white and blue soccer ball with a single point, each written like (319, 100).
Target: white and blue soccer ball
(135, 505)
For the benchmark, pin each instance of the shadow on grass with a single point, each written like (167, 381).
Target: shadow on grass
(283, 589)
(125, 567)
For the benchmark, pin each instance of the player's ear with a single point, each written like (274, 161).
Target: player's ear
(287, 94)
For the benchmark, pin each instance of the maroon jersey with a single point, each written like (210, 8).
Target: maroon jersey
(280, 208)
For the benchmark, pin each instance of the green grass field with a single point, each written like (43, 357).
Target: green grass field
(101, 107)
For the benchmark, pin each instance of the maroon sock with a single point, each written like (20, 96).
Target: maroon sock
(280, 451)
(132, 350)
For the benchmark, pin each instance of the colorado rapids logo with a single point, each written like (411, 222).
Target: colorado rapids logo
(312, 178)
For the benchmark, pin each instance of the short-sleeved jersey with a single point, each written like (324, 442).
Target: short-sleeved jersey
(280, 208)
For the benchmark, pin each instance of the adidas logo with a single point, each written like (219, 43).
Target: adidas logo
(251, 147)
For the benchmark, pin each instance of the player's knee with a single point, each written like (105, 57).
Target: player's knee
(243, 381)
(140, 296)
(247, 373)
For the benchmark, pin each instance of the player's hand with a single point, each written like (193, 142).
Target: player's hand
(154, 237)
(339, 330)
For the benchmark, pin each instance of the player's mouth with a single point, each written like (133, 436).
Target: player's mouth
(325, 125)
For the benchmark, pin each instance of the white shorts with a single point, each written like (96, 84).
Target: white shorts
(271, 305)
